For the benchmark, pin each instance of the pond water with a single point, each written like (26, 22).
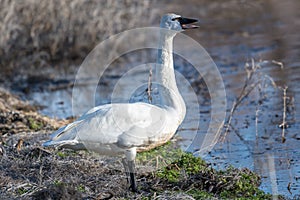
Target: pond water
(232, 33)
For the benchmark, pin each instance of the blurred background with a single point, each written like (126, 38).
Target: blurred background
(43, 43)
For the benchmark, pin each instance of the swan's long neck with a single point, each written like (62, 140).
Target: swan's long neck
(165, 76)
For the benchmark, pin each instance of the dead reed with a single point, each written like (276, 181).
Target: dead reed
(36, 33)
(250, 84)
(255, 79)
(284, 123)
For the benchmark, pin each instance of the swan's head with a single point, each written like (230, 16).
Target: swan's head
(177, 23)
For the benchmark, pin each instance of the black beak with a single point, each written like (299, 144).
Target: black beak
(187, 23)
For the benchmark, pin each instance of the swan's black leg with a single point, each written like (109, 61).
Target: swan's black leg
(125, 165)
(131, 166)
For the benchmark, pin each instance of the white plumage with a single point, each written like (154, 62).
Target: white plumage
(126, 128)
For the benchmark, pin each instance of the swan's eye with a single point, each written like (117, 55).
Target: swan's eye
(176, 19)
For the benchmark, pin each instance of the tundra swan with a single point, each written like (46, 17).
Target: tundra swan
(127, 128)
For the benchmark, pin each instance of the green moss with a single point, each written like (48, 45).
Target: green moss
(243, 184)
(61, 154)
(35, 124)
(208, 183)
(22, 190)
(187, 164)
(81, 188)
(200, 194)
(169, 174)
(64, 153)
(57, 183)
(191, 164)
(159, 157)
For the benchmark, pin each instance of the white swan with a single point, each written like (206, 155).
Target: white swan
(130, 127)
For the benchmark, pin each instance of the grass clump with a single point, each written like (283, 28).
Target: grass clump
(35, 124)
(193, 176)
(200, 194)
(57, 183)
(241, 184)
(22, 190)
(159, 157)
(65, 153)
(186, 165)
(81, 188)
(61, 154)
(197, 178)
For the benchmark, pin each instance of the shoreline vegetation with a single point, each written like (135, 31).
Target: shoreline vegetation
(29, 171)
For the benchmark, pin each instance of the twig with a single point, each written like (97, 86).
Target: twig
(41, 174)
(247, 89)
(274, 62)
(289, 187)
(149, 85)
(278, 63)
(272, 81)
(244, 93)
(284, 124)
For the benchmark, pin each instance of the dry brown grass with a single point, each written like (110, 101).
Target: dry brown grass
(36, 33)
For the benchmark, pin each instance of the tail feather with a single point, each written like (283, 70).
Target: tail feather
(70, 144)
(53, 143)
(64, 136)
(64, 129)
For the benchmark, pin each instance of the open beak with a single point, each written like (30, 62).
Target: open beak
(187, 23)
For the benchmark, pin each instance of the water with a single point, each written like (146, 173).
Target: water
(232, 33)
